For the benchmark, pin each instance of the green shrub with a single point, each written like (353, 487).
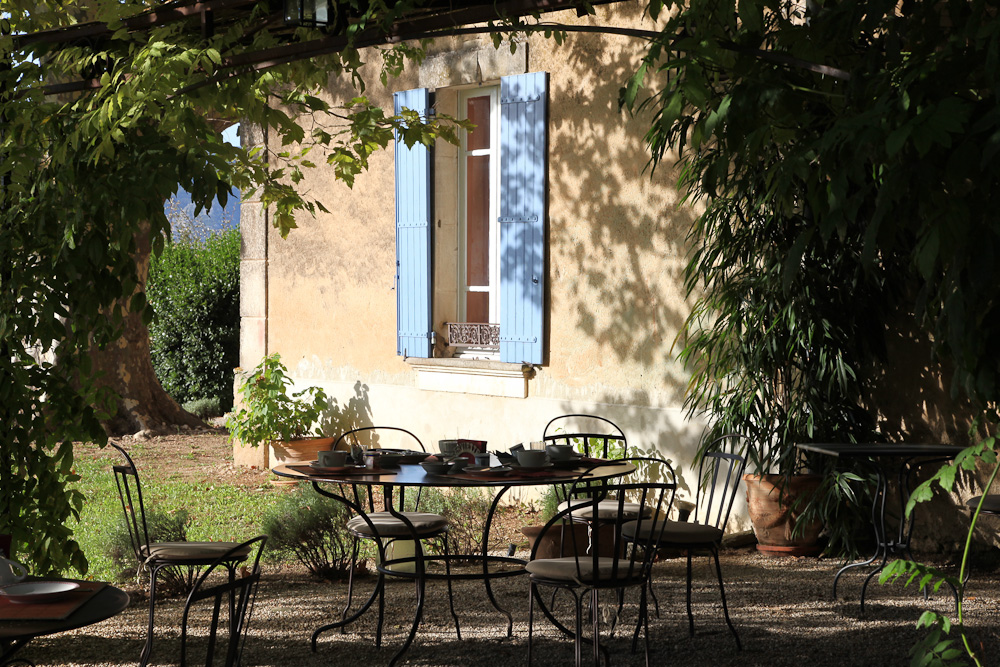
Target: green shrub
(194, 287)
(206, 408)
(466, 511)
(163, 527)
(312, 528)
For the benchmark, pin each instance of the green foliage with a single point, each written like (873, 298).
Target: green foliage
(843, 502)
(194, 287)
(466, 511)
(851, 139)
(268, 413)
(843, 153)
(163, 526)
(933, 649)
(84, 177)
(311, 528)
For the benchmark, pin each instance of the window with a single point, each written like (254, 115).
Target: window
(479, 184)
(502, 185)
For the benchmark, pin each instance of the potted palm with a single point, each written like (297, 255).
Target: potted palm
(778, 352)
(269, 415)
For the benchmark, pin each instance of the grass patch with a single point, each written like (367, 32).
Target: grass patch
(219, 512)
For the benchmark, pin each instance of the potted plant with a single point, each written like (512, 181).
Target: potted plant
(268, 415)
(778, 351)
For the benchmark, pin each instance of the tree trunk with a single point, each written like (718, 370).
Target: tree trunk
(126, 367)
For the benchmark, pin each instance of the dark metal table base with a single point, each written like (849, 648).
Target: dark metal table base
(421, 575)
(899, 547)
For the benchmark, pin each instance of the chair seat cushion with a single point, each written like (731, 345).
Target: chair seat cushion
(567, 569)
(387, 525)
(192, 552)
(606, 509)
(674, 532)
(991, 504)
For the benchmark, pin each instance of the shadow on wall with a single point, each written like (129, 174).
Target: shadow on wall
(629, 216)
(353, 413)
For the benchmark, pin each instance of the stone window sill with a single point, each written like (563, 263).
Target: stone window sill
(472, 376)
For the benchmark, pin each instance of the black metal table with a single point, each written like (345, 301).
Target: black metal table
(906, 458)
(105, 603)
(405, 476)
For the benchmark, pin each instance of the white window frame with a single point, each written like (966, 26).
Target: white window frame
(494, 207)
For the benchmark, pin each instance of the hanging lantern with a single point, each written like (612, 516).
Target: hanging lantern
(315, 13)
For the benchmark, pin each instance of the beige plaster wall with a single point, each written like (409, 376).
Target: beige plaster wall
(616, 253)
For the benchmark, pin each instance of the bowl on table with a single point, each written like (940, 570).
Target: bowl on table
(532, 458)
(436, 467)
(559, 452)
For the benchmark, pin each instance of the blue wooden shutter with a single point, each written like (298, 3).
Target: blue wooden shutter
(413, 236)
(522, 216)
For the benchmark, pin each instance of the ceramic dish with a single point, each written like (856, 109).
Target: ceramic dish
(414, 457)
(394, 457)
(436, 467)
(568, 464)
(318, 468)
(38, 591)
(544, 466)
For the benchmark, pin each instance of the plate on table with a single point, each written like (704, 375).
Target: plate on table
(330, 469)
(394, 457)
(28, 592)
(544, 466)
(496, 470)
(568, 464)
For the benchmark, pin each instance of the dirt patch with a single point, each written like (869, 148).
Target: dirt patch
(191, 456)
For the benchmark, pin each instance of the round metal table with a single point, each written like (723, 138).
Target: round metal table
(394, 480)
(105, 603)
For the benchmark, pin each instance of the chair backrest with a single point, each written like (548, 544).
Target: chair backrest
(365, 437)
(719, 475)
(613, 495)
(602, 444)
(130, 494)
(369, 435)
(224, 590)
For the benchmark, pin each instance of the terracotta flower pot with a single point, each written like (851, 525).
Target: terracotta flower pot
(770, 499)
(297, 451)
(576, 540)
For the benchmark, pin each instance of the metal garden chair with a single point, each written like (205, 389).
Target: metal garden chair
(590, 573)
(211, 592)
(719, 475)
(155, 556)
(404, 522)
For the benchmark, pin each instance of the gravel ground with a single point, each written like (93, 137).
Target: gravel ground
(782, 608)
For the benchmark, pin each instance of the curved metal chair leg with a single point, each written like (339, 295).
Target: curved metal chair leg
(355, 616)
(350, 585)
(644, 617)
(690, 614)
(381, 613)
(578, 635)
(618, 612)
(417, 617)
(595, 613)
(725, 609)
(451, 598)
(147, 649)
(531, 617)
